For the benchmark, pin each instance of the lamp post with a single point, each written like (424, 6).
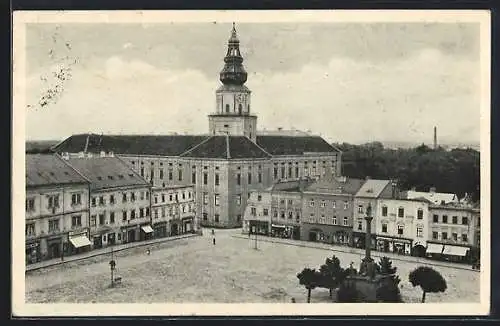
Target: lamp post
(255, 246)
(112, 266)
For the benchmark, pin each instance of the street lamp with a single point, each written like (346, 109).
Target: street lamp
(112, 266)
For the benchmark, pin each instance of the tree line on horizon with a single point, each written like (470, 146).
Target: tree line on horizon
(452, 171)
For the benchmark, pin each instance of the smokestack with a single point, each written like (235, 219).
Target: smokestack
(435, 138)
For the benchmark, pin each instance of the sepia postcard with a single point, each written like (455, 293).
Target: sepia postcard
(247, 163)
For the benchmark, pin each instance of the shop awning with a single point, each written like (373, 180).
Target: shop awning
(455, 251)
(80, 241)
(278, 226)
(147, 229)
(434, 248)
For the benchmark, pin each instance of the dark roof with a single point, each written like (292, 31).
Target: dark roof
(294, 145)
(107, 172)
(218, 146)
(45, 169)
(170, 145)
(41, 146)
(337, 186)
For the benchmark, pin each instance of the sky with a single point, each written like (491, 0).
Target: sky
(348, 82)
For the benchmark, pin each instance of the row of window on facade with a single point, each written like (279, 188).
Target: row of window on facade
(454, 219)
(331, 220)
(54, 225)
(101, 200)
(401, 212)
(216, 218)
(140, 213)
(217, 199)
(284, 175)
(53, 201)
(323, 204)
(444, 236)
(171, 197)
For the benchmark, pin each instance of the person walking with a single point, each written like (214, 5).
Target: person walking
(213, 240)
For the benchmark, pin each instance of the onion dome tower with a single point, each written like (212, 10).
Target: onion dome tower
(232, 115)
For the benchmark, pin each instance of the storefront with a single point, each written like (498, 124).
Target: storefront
(187, 225)
(174, 227)
(341, 237)
(456, 254)
(33, 254)
(79, 243)
(54, 247)
(160, 230)
(259, 227)
(285, 231)
(130, 234)
(434, 250)
(146, 232)
(400, 246)
(359, 240)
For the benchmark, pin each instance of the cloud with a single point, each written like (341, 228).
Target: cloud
(344, 100)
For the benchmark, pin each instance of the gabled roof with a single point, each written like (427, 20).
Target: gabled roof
(49, 169)
(337, 186)
(373, 188)
(294, 145)
(169, 145)
(227, 147)
(437, 198)
(107, 172)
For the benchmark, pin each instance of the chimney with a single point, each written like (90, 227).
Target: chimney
(394, 187)
(435, 137)
(432, 190)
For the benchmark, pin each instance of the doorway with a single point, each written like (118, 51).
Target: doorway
(313, 236)
(54, 250)
(131, 236)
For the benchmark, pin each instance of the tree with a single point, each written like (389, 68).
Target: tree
(348, 293)
(309, 278)
(389, 292)
(332, 274)
(384, 267)
(428, 279)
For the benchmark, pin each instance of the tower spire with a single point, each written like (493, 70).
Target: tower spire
(233, 72)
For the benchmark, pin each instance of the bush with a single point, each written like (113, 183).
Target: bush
(347, 293)
(389, 292)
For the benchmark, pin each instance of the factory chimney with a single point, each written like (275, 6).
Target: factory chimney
(435, 138)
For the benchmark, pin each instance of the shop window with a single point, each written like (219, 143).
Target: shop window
(216, 218)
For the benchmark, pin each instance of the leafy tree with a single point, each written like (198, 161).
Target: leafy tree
(389, 292)
(332, 274)
(310, 279)
(384, 267)
(348, 293)
(428, 279)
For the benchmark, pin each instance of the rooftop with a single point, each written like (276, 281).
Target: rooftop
(227, 147)
(437, 198)
(294, 145)
(373, 188)
(337, 186)
(49, 169)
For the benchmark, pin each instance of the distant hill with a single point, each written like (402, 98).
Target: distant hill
(40, 146)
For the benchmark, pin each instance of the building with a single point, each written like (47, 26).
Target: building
(226, 165)
(119, 200)
(436, 198)
(57, 208)
(454, 231)
(368, 195)
(328, 210)
(173, 211)
(401, 225)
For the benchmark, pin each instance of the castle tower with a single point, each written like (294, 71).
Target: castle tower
(232, 115)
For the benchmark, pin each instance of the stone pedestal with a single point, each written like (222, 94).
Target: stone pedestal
(366, 286)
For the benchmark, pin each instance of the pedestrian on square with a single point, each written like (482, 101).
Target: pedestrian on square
(214, 241)
(213, 232)
(293, 300)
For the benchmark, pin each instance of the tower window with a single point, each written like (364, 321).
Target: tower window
(227, 108)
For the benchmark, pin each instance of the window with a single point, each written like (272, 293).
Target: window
(217, 218)
(93, 201)
(238, 179)
(296, 171)
(260, 177)
(141, 212)
(205, 178)
(216, 199)
(290, 215)
(253, 211)
(420, 214)
(360, 209)
(170, 175)
(205, 216)
(360, 225)
(311, 203)
(435, 218)
(259, 197)
(180, 175)
(444, 236)
(132, 214)
(161, 174)
(76, 221)
(282, 172)
(30, 204)
(445, 218)
(290, 201)
(111, 199)
(334, 221)
(345, 221)
(249, 178)
(401, 212)
(323, 203)
(30, 229)
(156, 199)
(163, 212)
(147, 195)
(205, 198)
(384, 210)
(227, 108)
(282, 202)
(346, 205)
(193, 177)
(334, 204)
(162, 198)
(384, 228)
(124, 216)
(465, 220)
(142, 172)
(76, 199)
(311, 218)
(434, 235)
(464, 237)
(124, 198)
(112, 217)
(156, 213)
(454, 236)
(101, 219)
(265, 212)
(289, 171)
(93, 220)
(454, 219)
(275, 213)
(217, 179)
(53, 225)
(297, 217)
(276, 173)
(102, 202)
(400, 229)
(282, 214)
(170, 197)
(420, 232)
(183, 196)
(238, 199)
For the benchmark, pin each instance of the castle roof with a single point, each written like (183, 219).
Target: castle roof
(227, 147)
(293, 145)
